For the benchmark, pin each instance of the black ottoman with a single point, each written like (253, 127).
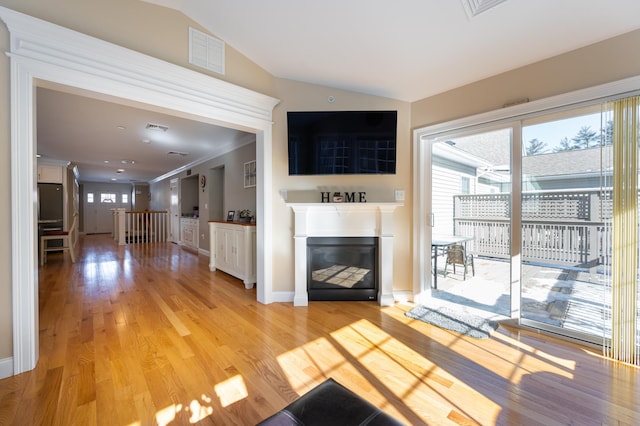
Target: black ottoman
(329, 403)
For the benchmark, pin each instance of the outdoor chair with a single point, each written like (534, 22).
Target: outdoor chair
(457, 255)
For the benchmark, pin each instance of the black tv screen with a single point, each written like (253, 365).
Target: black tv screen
(342, 142)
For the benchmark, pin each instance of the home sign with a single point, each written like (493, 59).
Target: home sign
(346, 197)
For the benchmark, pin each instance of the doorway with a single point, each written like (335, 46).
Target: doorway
(174, 228)
(102, 74)
(471, 190)
(216, 193)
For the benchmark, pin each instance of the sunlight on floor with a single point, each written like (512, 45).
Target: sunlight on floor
(389, 370)
(231, 390)
(197, 410)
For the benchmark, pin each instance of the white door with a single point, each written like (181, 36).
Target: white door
(174, 232)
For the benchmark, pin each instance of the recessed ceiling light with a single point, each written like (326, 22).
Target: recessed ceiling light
(114, 179)
(120, 171)
(147, 141)
(120, 127)
(106, 161)
(128, 161)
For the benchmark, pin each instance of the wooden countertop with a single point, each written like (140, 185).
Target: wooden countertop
(233, 223)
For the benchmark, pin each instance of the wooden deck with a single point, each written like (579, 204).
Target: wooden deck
(146, 334)
(571, 299)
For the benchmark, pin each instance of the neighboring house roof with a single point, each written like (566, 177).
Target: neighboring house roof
(579, 161)
(493, 148)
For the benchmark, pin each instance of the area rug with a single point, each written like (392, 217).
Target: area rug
(455, 320)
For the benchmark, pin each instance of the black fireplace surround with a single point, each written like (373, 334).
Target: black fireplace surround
(342, 268)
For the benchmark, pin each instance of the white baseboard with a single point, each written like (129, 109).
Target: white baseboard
(403, 296)
(282, 296)
(287, 296)
(6, 367)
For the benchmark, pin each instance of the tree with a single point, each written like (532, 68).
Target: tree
(535, 147)
(564, 146)
(586, 138)
(607, 133)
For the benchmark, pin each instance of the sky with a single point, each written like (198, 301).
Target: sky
(553, 132)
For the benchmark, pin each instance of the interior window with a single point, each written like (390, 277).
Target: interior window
(107, 198)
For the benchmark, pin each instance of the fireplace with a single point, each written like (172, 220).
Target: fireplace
(346, 220)
(342, 268)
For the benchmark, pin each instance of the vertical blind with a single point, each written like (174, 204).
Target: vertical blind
(623, 342)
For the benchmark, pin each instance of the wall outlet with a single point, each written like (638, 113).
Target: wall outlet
(399, 195)
(202, 236)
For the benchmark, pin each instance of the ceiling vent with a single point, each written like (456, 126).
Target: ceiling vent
(182, 154)
(158, 127)
(206, 51)
(476, 7)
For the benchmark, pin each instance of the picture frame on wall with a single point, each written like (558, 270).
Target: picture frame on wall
(230, 215)
(250, 174)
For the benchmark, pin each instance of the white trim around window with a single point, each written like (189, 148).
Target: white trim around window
(422, 167)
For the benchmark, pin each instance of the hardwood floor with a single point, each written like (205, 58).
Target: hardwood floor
(146, 334)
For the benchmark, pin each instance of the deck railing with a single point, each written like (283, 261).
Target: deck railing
(132, 227)
(559, 227)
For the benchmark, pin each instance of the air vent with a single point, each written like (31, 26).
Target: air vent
(206, 51)
(476, 7)
(158, 127)
(182, 154)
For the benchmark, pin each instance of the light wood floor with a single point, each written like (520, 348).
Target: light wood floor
(148, 335)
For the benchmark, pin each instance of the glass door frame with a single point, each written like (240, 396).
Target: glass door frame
(423, 224)
(422, 140)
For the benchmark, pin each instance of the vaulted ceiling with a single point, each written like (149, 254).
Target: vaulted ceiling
(409, 49)
(404, 50)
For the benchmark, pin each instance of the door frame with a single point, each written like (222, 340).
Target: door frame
(174, 211)
(47, 55)
(422, 168)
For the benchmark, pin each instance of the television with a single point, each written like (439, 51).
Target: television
(342, 142)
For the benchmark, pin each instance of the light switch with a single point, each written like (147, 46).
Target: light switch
(399, 194)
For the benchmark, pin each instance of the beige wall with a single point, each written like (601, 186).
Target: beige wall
(603, 62)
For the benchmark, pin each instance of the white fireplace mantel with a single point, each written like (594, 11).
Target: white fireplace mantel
(344, 220)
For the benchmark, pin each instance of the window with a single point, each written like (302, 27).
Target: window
(465, 185)
(125, 198)
(108, 198)
(89, 197)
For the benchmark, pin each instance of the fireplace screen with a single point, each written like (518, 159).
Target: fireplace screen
(342, 268)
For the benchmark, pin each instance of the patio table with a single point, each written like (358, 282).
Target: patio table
(440, 243)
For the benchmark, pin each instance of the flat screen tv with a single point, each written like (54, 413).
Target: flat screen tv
(342, 142)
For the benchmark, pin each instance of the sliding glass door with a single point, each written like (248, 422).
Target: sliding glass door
(471, 192)
(565, 156)
(544, 207)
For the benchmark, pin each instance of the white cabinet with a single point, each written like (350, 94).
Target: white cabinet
(233, 250)
(50, 174)
(189, 232)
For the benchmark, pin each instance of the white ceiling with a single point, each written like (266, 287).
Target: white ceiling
(405, 50)
(101, 137)
(408, 49)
